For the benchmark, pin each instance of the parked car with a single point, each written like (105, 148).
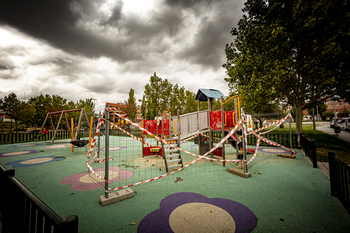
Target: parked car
(338, 122)
(345, 123)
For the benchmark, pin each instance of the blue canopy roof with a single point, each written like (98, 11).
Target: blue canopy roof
(204, 94)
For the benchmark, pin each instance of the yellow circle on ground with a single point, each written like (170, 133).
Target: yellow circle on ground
(16, 153)
(88, 180)
(273, 150)
(201, 217)
(58, 146)
(33, 161)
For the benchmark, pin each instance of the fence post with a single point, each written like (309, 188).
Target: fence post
(332, 172)
(69, 224)
(314, 153)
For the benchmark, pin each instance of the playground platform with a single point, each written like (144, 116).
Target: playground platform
(283, 195)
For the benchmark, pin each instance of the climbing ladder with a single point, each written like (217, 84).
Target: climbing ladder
(172, 156)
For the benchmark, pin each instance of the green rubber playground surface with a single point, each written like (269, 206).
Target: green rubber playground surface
(283, 195)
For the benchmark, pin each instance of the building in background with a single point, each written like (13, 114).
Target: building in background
(4, 117)
(339, 106)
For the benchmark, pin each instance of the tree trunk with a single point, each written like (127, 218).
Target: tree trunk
(299, 119)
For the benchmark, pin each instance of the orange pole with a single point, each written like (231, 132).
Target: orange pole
(91, 122)
(72, 123)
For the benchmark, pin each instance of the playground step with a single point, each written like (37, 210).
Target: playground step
(174, 161)
(177, 155)
(172, 156)
(170, 139)
(170, 150)
(175, 166)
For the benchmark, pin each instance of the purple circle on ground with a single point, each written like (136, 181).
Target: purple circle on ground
(158, 221)
(274, 150)
(79, 182)
(14, 153)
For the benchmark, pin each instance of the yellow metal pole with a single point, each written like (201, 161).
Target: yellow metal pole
(91, 122)
(72, 123)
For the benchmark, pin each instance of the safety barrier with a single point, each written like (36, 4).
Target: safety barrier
(309, 147)
(10, 138)
(339, 174)
(22, 211)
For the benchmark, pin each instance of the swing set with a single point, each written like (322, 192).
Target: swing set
(75, 140)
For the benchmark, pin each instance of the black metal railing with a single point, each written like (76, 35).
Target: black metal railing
(309, 147)
(10, 138)
(339, 173)
(22, 211)
(280, 138)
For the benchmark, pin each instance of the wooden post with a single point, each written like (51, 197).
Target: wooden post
(58, 124)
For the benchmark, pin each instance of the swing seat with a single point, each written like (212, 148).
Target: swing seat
(79, 143)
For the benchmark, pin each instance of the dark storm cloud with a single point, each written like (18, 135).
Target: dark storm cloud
(79, 27)
(115, 17)
(213, 33)
(188, 3)
(55, 22)
(3, 67)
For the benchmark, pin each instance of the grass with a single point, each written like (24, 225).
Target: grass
(324, 142)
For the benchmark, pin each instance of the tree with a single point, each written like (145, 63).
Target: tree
(41, 104)
(341, 113)
(190, 102)
(11, 105)
(293, 52)
(157, 96)
(327, 114)
(26, 113)
(131, 105)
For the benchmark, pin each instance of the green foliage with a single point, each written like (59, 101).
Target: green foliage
(291, 52)
(327, 114)
(341, 113)
(131, 105)
(27, 113)
(11, 105)
(160, 95)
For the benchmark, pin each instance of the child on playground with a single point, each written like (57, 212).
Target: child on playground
(44, 132)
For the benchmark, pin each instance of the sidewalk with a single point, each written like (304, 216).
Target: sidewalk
(324, 127)
(344, 135)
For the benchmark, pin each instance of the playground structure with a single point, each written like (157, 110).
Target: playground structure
(169, 135)
(62, 114)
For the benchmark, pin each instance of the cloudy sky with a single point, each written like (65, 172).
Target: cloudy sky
(81, 49)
